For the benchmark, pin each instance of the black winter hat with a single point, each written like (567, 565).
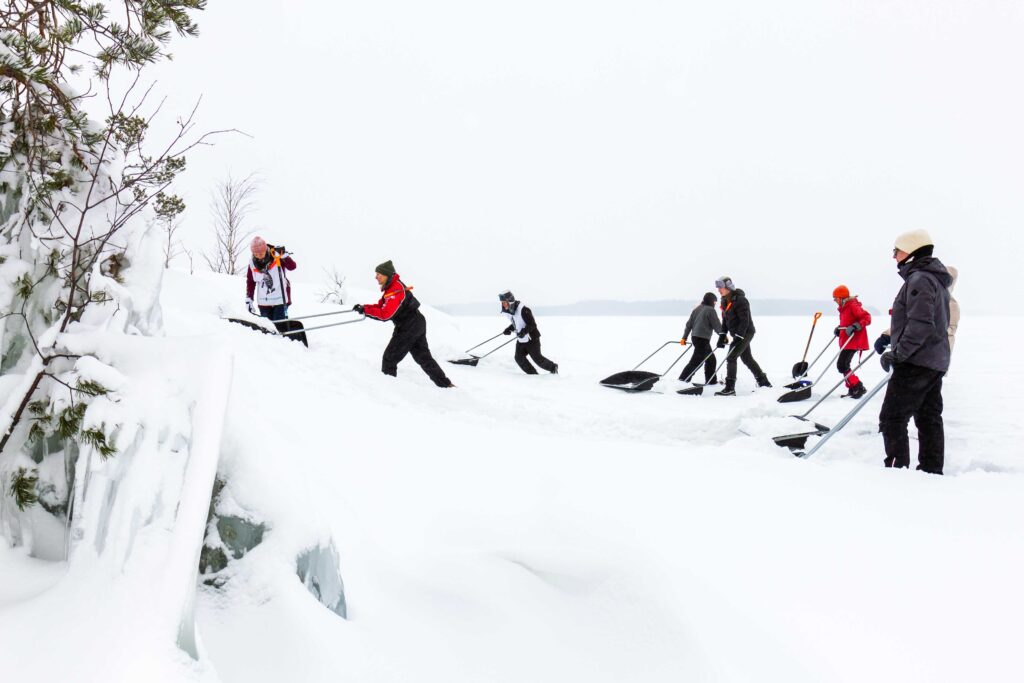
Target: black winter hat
(710, 299)
(387, 269)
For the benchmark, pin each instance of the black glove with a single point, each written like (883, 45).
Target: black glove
(723, 340)
(522, 335)
(836, 331)
(852, 329)
(882, 343)
(358, 308)
(509, 330)
(888, 360)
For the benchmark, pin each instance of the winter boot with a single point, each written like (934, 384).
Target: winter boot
(762, 381)
(856, 391)
(729, 389)
(554, 370)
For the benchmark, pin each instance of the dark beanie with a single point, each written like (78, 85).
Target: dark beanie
(387, 269)
(710, 299)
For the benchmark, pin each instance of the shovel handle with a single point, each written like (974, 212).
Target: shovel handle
(810, 336)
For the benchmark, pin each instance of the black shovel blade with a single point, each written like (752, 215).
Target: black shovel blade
(465, 361)
(796, 395)
(800, 369)
(799, 384)
(691, 391)
(251, 325)
(798, 442)
(631, 380)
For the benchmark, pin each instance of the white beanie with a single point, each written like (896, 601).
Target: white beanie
(913, 240)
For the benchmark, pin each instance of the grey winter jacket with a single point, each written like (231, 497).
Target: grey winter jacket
(703, 322)
(920, 314)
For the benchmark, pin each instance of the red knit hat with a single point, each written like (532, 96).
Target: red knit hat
(841, 292)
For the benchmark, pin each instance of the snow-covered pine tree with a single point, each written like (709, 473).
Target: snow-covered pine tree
(76, 195)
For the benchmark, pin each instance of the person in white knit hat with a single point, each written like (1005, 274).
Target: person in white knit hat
(918, 357)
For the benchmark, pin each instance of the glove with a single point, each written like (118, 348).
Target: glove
(251, 307)
(358, 308)
(882, 343)
(682, 341)
(509, 330)
(888, 360)
(722, 341)
(522, 335)
(837, 331)
(851, 329)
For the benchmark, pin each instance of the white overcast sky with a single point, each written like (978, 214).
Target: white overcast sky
(625, 150)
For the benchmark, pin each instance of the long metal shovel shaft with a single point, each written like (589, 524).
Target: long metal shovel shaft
(816, 359)
(494, 349)
(654, 354)
(836, 386)
(315, 315)
(320, 327)
(669, 369)
(484, 342)
(849, 416)
(831, 362)
(814, 325)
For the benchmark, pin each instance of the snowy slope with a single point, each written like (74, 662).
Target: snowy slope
(547, 529)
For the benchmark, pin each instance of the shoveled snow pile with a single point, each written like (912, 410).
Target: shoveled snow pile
(543, 528)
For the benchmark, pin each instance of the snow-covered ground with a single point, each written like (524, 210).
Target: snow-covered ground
(544, 528)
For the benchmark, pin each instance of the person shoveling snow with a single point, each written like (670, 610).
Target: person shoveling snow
(398, 305)
(853, 337)
(528, 335)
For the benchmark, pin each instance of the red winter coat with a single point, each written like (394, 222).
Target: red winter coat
(851, 312)
(396, 305)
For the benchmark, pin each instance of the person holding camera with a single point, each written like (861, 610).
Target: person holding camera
(268, 293)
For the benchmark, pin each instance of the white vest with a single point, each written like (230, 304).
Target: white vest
(515, 314)
(271, 285)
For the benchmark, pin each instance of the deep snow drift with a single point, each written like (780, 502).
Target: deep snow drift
(548, 529)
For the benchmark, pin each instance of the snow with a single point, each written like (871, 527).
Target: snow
(547, 529)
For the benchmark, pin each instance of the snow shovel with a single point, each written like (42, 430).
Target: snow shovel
(829, 433)
(640, 380)
(799, 441)
(801, 389)
(832, 390)
(698, 389)
(474, 359)
(800, 369)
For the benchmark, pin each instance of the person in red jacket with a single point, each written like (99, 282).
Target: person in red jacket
(853, 324)
(410, 336)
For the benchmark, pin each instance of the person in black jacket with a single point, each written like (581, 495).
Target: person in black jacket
(918, 355)
(525, 327)
(737, 321)
(702, 325)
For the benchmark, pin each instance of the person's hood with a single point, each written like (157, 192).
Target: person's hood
(953, 273)
(927, 264)
(389, 281)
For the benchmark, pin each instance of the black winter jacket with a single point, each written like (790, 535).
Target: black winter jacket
(736, 319)
(920, 314)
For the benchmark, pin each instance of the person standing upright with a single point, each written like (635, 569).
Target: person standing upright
(737, 321)
(918, 355)
(525, 326)
(852, 333)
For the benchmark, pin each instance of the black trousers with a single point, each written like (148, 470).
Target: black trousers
(280, 312)
(410, 336)
(913, 391)
(701, 352)
(740, 350)
(532, 349)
